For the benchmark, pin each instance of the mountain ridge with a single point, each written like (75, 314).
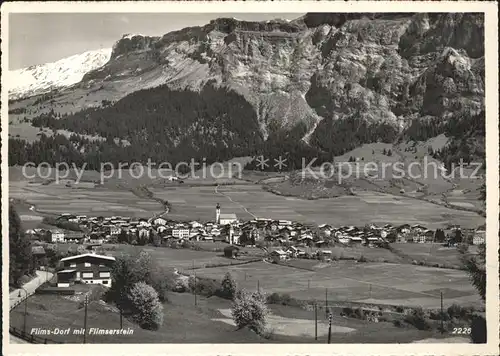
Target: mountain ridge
(307, 79)
(42, 78)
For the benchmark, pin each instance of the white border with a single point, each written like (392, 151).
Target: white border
(492, 143)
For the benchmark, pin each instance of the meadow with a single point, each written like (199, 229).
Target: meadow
(350, 281)
(55, 199)
(250, 201)
(206, 322)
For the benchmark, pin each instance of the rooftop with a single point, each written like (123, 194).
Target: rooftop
(88, 255)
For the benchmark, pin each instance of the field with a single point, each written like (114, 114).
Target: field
(207, 322)
(58, 198)
(349, 281)
(249, 201)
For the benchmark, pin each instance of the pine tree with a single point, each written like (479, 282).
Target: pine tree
(20, 254)
(228, 286)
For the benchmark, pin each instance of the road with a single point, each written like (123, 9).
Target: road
(18, 295)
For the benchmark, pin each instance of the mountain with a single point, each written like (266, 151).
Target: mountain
(319, 85)
(43, 78)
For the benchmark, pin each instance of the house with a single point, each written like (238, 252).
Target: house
(278, 255)
(325, 255)
(401, 238)
(292, 251)
(418, 238)
(479, 237)
(66, 278)
(195, 225)
(56, 236)
(38, 253)
(74, 236)
(143, 232)
(215, 231)
(114, 230)
(355, 240)
(159, 221)
(225, 219)
(231, 251)
(87, 268)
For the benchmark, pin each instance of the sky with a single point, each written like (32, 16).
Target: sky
(36, 38)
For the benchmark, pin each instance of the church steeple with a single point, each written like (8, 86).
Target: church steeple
(217, 214)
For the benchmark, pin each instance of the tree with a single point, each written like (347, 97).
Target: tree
(384, 152)
(392, 237)
(147, 311)
(439, 236)
(389, 153)
(228, 286)
(250, 310)
(20, 254)
(475, 267)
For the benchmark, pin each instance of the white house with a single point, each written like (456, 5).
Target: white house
(159, 221)
(180, 233)
(195, 224)
(479, 237)
(143, 232)
(56, 236)
(226, 219)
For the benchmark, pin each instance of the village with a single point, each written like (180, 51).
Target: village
(287, 237)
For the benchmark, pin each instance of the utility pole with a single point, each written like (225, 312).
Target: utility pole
(326, 300)
(315, 321)
(121, 318)
(329, 327)
(308, 284)
(258, 286)
(85, 320)
(195, 297)
(370, 290)
(442, 314)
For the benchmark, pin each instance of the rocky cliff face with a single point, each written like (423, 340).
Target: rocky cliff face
(313, 71)
(379, 67)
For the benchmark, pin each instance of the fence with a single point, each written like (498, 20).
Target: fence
(30, 337)
(20, 333)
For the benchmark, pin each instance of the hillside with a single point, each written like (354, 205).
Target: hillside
(318, 86)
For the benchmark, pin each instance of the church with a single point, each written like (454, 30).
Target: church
(224, 219)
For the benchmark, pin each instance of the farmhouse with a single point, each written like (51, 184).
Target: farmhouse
(278, 255)
(87, 268)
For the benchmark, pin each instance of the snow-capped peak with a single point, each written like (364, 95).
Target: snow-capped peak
(64, 72)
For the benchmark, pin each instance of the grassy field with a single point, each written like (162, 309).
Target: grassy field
(207, 322)
(378, 283)
(182, 259)
(58, 198)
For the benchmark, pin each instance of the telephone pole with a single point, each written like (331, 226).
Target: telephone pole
(326, 300)
(442, 314)
(315, 321)
(86, 302)
(329, 327)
